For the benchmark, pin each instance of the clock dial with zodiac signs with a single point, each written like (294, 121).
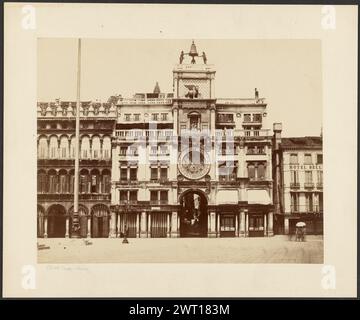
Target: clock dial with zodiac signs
(194, 164)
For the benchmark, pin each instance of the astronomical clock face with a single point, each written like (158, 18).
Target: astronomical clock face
(193, 164)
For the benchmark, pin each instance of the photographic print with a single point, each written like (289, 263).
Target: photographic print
(188, 162)
(157, 150)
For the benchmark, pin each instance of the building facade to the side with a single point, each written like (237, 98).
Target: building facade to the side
(183, 164)
(55, 175)
(300, 183)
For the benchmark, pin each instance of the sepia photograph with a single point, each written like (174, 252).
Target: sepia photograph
(179, 150)
(184, 150)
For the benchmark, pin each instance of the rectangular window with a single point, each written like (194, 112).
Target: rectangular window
(320, 176)
(319, 159)
(123, 195)
(127, 116)
(247, 117)
(309, 202)
(133, 196)
(137, 117)
(154, 116)
(257, 117)
(251, 171)
(293, 158)
(163, 173)
(261, 171)
(294, 202)
(133, 174)
(153, 196)
(153, 150)
(307, 159)
(163, 196)
(294, 176)
(123, 174)
(308, 177)
(164, 116)
(154, 174)
(123, 151)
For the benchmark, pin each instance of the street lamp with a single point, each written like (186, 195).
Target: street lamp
(127, 208)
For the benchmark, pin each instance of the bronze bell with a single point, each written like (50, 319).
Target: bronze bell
(193, 51)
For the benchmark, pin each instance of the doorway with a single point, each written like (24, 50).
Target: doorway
(193, 214)
(56, 221)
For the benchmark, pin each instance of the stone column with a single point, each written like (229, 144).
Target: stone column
(218, 226)
(286, 225)
(149, 226)
(112, 233)
(174, 225)
(212, 120)
(175, 120)
(270, 224)
(88, 234)
(242, 223)
(212, 217)
(137, 225)
(265, 225)
(143, 225)
(45, 226)
(168, 226)
(67, 227)
(246, 224)
(236, 225)
(118, 225)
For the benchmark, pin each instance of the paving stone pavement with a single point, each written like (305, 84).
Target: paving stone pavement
(277, 249)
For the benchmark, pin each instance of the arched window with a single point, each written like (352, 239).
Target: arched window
(95, 181)
(42, 181)
(53, 181)
(85, 148)
(106, 181)
(72, 148)
(53, 147)
(71, 181)
(64, 184)
(84, 181)
(64, 147)
(95, 147)
(43, 148)
(106, 148)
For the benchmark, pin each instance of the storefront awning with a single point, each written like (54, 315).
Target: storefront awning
(258, 197)
(227, 197)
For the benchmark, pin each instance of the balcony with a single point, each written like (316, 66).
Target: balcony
(294, 185)
(232, 178)
(306, 209)
(137, 134)
(309, 185)
(158, 202)
(147, 101)
(128, 181)
(128, 202)
(237, 101)
(255, 152)
(319, 185)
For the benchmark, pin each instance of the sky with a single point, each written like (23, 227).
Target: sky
(287, 73)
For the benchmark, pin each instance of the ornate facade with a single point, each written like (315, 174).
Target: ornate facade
(179, 164)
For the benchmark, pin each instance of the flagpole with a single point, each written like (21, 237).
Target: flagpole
(75, 224)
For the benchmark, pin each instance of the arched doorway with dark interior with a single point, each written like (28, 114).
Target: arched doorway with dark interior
(56, 221)
(100, 222)
(193, 214)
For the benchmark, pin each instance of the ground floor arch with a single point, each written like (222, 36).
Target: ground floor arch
(100, 221)
(56, 221)
(193, 214)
